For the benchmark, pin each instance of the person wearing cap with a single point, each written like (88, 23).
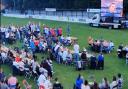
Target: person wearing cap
(84, 55)
(84, 58)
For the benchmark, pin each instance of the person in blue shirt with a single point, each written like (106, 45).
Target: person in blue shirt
(79, 82)
(100, 61)
(32, 45)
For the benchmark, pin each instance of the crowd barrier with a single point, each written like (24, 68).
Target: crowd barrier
(55, 18)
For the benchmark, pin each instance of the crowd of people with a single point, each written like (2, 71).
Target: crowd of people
(122, 52)
(11, 82)
(27, 65)
(101, 45)
(51, 42)
(24, 62)
(117, 83)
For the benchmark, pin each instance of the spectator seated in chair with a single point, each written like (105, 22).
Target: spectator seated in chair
(12, 81)
(93, 64)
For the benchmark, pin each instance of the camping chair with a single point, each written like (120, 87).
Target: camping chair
(35, 75)
(28, 73)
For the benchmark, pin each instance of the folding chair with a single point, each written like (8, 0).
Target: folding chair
(35, 75)
(28, 73)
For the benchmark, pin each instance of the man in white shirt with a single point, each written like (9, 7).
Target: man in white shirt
(76, 51)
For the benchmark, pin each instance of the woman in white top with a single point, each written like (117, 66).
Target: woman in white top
(64, 55)
(114, 84)
(85, 85)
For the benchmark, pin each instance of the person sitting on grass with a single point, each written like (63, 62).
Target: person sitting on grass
(57, 84)
(114, 84)
(111, 46)
(79, 82)
(104, 84)
(95, 85)
(120, 81)
(85, 85)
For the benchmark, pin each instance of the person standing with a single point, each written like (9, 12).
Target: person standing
(76, 51)
(101, 61)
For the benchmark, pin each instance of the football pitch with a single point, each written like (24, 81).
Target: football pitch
(68, 74)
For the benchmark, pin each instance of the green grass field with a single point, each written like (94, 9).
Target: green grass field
(67, 74)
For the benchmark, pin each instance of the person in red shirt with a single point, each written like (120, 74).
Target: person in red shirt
(60, 31)
(17, 59)
(36, 42)
(52, 32)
